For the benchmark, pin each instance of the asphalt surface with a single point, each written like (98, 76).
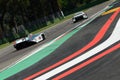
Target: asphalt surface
(106, 68)
(103, 69)
(9, 56)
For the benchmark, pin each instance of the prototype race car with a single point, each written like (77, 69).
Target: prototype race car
(28, 41)
(78, 16)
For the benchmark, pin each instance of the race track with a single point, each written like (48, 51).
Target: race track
(91, 52)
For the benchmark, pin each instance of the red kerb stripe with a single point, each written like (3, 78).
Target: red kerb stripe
(97, 38)
(87, 62)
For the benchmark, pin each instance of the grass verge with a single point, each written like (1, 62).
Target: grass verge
(4, 45)
(57, 21)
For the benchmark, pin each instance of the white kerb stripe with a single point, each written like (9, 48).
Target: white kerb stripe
(115, 36)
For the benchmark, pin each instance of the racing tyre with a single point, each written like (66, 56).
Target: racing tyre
(43, 36)
(17, 48)
(85, 16)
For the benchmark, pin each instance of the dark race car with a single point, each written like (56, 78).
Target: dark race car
(78, 16)
(28, 41)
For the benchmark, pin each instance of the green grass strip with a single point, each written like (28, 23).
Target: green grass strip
(34, 58)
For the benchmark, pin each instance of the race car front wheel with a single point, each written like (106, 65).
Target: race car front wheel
(43, 36)
(85, 16)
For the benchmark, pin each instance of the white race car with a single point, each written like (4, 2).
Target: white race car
(28, 41)
(78, 16)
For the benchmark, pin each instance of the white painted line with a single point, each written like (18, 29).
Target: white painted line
(115, 37)
(30, 54)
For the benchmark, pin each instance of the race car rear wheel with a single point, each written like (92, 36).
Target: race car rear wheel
(17, 47)
(73, 20)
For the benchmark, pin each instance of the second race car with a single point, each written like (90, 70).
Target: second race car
(78, 16)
